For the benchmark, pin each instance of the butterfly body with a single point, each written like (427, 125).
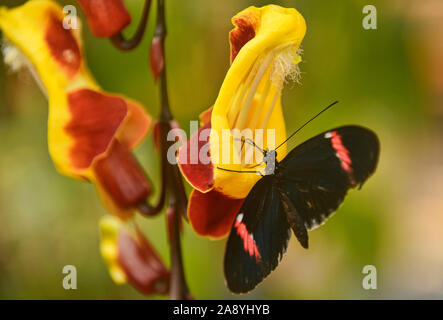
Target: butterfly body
(298, 193)
(270, 159)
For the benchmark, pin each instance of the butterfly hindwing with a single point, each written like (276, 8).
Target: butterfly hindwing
(258, 239)
(308, 186)
(319, 172)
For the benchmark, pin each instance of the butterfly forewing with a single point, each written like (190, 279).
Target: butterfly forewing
(306, 188)
(258, 239)
(318, 173)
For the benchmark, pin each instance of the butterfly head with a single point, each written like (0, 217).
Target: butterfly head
(270, 158)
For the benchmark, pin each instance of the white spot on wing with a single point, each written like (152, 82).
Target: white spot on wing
(328, 135)
(313, 225)
(324, 218)
(240, 217)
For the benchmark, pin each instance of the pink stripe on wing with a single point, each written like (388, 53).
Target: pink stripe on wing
(249, 244)
(342, 152)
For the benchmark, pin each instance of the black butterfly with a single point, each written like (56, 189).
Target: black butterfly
(298, 193)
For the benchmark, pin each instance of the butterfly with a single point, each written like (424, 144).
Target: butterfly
(299, 193)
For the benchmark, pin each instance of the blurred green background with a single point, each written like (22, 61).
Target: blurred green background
(389, 80)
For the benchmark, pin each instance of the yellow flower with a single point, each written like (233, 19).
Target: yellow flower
(264, 54)
(90, 132)
(250, 96)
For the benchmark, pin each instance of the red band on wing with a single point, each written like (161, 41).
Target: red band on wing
(248, 242)
(342, 152)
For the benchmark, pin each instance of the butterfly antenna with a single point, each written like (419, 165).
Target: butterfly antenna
(328, 107)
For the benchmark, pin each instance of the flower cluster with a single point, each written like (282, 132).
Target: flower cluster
(91, 133)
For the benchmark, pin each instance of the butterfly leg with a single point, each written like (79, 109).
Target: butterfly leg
(295, 220)
(239, 171)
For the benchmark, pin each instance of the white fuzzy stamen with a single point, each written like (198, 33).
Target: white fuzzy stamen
(286, 65)
(17, 61)
(12, 56)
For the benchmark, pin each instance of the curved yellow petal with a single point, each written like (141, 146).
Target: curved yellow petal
(264, 48)
(109, 232)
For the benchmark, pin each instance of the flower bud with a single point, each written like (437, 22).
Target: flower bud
(131, 258)
(105, 17)
(157, 57)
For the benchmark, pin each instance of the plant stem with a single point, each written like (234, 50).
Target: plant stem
(119, 40)
(172, 188)
(173, 181)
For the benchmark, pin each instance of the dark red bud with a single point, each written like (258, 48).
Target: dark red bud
(142, 265)
(122, 177)
(105, 17)
(157, 58)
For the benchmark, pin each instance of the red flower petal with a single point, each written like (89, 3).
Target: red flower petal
(63, 46)
(95, 120)
(212, 213)
(243, 33)
(135, 126)
(205, 116)
(198, 174)
(105, 17)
